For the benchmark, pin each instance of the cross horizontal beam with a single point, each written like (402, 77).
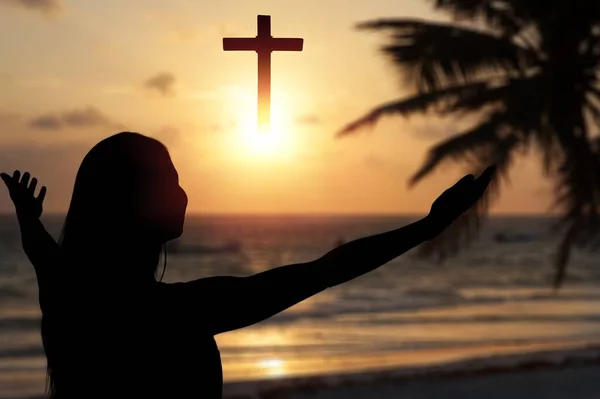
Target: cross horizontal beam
(259, 44)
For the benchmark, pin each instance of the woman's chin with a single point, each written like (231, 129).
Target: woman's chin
(174, 233)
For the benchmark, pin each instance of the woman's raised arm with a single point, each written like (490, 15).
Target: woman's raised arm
(39, 246)
(227, 303)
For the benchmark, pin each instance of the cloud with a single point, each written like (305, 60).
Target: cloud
(82, 118)
(163, 82)
(47, 122)
(44, 6)
(308, 120)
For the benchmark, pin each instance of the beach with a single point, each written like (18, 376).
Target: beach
(484, 324)
(552, 374)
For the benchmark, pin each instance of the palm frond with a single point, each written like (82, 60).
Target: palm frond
(527, 71)
(436, 55)
(580, 213)
(515, 93)
(499, 15)
(577, 187)
(413, 104)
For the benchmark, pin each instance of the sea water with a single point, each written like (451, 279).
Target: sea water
(495, 297)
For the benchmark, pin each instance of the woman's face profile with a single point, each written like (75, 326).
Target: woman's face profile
(161, 202)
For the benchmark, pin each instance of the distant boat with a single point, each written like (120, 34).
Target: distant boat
(511, 238)
(179, 248)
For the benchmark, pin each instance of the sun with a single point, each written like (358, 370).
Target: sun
(266, 143)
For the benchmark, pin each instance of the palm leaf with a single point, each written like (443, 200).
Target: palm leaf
(518, 92)
(577, 188)
(538, 59)
(436, 55)
(418, 103)
(499, 15)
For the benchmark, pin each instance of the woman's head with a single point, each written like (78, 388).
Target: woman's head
(126, 191)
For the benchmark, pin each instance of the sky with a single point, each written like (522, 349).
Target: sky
(75, 72)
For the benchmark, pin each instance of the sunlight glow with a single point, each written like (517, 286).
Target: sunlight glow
(275, 367)
(264, 143)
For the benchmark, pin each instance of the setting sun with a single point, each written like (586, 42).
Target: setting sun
(265, 142)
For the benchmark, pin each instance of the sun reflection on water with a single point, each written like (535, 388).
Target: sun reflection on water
(273, 367)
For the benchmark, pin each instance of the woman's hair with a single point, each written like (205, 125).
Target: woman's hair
(100, 216)
(106, 191)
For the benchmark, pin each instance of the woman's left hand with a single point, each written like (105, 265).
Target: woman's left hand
(459, 198)
(22, 193)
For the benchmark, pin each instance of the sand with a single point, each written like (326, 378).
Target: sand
(573, 374)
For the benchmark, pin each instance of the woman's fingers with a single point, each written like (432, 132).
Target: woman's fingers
(484, 179)
(478, 186)
(25, 180)
(8, 181)
(42, 194)
(465, 181)
(487, 175)
(32, 186)
(16, 182)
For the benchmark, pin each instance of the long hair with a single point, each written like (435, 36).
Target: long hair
(99, 218)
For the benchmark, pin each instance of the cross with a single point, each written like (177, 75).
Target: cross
(263, 44)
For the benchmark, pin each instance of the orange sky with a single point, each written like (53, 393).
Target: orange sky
(74, 72)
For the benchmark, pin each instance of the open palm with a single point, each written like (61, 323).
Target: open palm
(22, 193)
(459, 198)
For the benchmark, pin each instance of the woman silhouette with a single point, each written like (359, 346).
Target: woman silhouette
(110, 329)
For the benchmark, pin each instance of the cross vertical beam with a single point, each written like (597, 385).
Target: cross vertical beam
(264, 44)
(264, 71)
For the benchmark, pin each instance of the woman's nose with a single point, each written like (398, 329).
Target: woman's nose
(184, 197)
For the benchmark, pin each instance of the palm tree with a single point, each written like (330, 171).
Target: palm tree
(528, 70)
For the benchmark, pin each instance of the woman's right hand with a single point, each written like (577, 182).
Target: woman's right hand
(22, 193)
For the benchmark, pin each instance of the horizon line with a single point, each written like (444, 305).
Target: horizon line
(337, 214)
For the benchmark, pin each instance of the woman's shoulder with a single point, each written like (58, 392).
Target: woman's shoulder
(171, 291)
(169, 287)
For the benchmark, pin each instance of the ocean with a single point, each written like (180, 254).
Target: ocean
(494, 298)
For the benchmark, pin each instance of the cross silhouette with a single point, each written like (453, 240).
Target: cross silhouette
(263, 44)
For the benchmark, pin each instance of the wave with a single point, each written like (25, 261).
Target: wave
(19, 323)
(29, 351)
